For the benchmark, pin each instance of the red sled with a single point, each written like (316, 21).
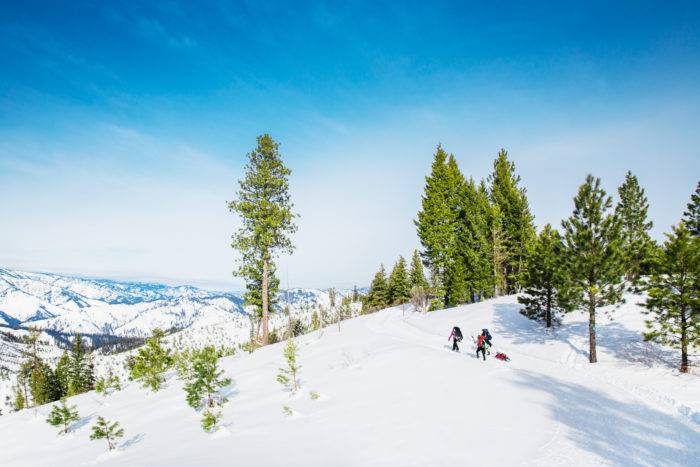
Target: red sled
(502, 356)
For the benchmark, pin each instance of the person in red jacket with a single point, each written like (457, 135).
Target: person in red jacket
(481, 346)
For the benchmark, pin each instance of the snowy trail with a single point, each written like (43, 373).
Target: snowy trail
(393, 394)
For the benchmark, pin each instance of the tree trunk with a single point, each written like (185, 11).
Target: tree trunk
(684, 342)
(548, 315)
(265, 304)
(591, 331)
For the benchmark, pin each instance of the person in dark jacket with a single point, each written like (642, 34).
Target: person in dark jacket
(456, 336)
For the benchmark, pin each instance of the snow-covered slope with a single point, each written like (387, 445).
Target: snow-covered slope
(392, 393)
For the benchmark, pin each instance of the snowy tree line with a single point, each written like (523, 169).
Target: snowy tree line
(479, 241)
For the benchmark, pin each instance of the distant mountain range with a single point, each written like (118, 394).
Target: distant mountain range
(68, 305)
(114, 312)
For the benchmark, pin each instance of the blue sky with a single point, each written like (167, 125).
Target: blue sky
(124, 127)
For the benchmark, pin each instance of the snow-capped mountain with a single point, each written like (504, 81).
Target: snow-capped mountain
(107, 311)
(68, 305)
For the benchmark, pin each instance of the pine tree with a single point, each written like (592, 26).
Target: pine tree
(210, 420)
(399, 286)
(594, 254)
(436, 219)
(110, 431)
(417, 276)
(287, 376)
(518, 227)
(20, 401)
(691, 217)
(253, 294)
(632, 211)
(205, 379)
(151, 362)
(265, 208)
(378, 295)
(499, 254)
(545, 276)
(62, 415)
(472, 249)
(80, 370)
(35, 376)
(108, 384)
(674, 293)
(62, 374)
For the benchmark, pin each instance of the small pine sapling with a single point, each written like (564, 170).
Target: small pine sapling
(314, 395)
(287, 411)
(210, 420)
(205, 379)
(287, 376)
(151, 362)
(110, 431)
(108, 384)
(62, 416)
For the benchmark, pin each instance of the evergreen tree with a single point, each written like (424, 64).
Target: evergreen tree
(594, 254)
(210, 420)
(287, 376)
(632, 212)
(470, 273)
(151, 362)
(253, 294)
(399, 287)
(265, 208)
(110, 431)
(437, 217)
(498, 251)
(62, 415)
(35, 376)
(20, 401)
(691, 217)
(108, 384)
(378, 295)
(517, 221)
(674, 293)
(205, 379)
(417, 276)
(545, 276)
(62, 374)
(80, 370)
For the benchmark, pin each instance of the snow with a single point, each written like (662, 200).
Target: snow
(392, 393)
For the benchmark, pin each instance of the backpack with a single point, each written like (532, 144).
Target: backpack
(487, 334)
(457, 332)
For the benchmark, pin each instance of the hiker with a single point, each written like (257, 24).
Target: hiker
(456, 336)
(487, 337)
(481, 346)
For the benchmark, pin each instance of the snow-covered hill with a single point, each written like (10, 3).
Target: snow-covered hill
(107, 311)
(392, 393)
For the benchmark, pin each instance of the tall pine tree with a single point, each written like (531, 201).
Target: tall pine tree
(632, 211)
(673, 292)
(436, 219)
(264, 206)
(399, 286)
(691, 216)
(518, 227)
(594, 254)
(545, 276)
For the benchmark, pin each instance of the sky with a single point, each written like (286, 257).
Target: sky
(124, 126)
